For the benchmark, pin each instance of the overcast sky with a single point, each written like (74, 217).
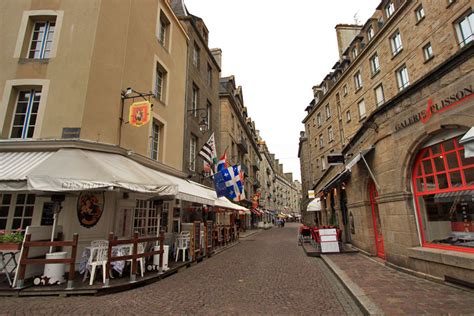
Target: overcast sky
(278, 50)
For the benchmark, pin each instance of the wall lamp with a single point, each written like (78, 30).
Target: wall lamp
(204, 116)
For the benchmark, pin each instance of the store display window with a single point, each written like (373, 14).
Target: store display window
(443, 181)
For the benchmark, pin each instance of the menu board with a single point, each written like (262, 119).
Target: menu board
(197, 236)
(47, 218)
(209, 234)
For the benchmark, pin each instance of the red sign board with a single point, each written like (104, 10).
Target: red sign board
(140, 113)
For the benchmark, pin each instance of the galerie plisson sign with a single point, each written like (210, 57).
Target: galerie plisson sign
(434, 108)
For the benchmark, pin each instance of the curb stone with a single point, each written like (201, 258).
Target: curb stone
(368, 306)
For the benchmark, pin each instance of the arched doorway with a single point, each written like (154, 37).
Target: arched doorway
(378, 232)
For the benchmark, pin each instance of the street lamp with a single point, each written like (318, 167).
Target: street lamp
(127, 94)
(204, 116)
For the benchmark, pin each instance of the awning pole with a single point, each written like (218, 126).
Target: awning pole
(370, 172)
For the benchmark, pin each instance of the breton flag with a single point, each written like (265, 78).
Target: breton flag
(235, 186)
(208, 153)
(222, 163)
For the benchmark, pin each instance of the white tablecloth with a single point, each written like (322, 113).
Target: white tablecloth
(117, 251)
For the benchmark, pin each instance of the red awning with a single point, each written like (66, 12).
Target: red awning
(255, 212)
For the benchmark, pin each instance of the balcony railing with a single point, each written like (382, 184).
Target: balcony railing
(256, 165)
(245, 169)
(243, 145)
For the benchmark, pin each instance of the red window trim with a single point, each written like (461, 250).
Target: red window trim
(419, 163)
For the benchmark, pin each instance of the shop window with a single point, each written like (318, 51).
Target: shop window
(16, 211)
(145, 220)
(443, 181)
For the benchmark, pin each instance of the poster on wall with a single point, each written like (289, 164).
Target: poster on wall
(90, 206)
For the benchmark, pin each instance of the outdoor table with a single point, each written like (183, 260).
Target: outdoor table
(6, 258)
(119, 250)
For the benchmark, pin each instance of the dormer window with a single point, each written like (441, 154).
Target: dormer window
(355, 52)
(389, 9)
(370, 33)
(325, 89)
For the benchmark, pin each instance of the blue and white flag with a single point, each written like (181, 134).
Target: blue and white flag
(233, 182)
(219, 184)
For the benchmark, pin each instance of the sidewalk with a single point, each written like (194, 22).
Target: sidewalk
(383, 290)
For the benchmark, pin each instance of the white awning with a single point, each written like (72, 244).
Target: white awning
(192, 192)
(70, 170)
(356, 159)
(468, 142)
(314, 205)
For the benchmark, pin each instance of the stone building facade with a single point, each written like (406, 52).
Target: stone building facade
(395, 108)
(238, 137)
(202, 99)
(68, 79)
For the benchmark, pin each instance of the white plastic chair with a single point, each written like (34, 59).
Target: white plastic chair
(98, 257)
(182, 244)
(141, 261)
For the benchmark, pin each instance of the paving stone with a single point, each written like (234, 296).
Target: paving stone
(266, 273)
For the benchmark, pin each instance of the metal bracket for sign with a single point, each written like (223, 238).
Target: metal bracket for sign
(370, 172)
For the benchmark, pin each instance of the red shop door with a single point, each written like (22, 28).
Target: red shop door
(376, 220)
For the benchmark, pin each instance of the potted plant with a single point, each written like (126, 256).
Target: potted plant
(11, 240)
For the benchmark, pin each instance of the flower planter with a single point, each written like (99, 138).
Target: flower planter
(10, 246)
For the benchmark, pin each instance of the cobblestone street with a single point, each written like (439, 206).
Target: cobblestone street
(266, 273)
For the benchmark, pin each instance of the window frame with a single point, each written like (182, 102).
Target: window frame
(419, 13)
(193, 143)
(462, 40)
(155, 139)
(375, 64)
(364, 114)
(330, 134)
(161, 77)
(389, 9)
(196, 55)
(370, 33)
(428, 51)
(328, 111)
(148, 209)
(319, 119)
(43, 41)
(321, 141)
(11, 209)
(377, 102)
(402, 85)
(348, 116)
(358, 80)
(28, 113)
(396, 39)
(195, 100)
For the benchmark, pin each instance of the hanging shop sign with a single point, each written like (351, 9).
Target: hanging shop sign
(335, 159)
(310, 194)
(140, 113)
(434, 108)
(90, 206)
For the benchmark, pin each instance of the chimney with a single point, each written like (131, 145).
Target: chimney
(217, 53)
(345, 34)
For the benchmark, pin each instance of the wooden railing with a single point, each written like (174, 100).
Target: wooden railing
(24, 260)
(113, 241)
